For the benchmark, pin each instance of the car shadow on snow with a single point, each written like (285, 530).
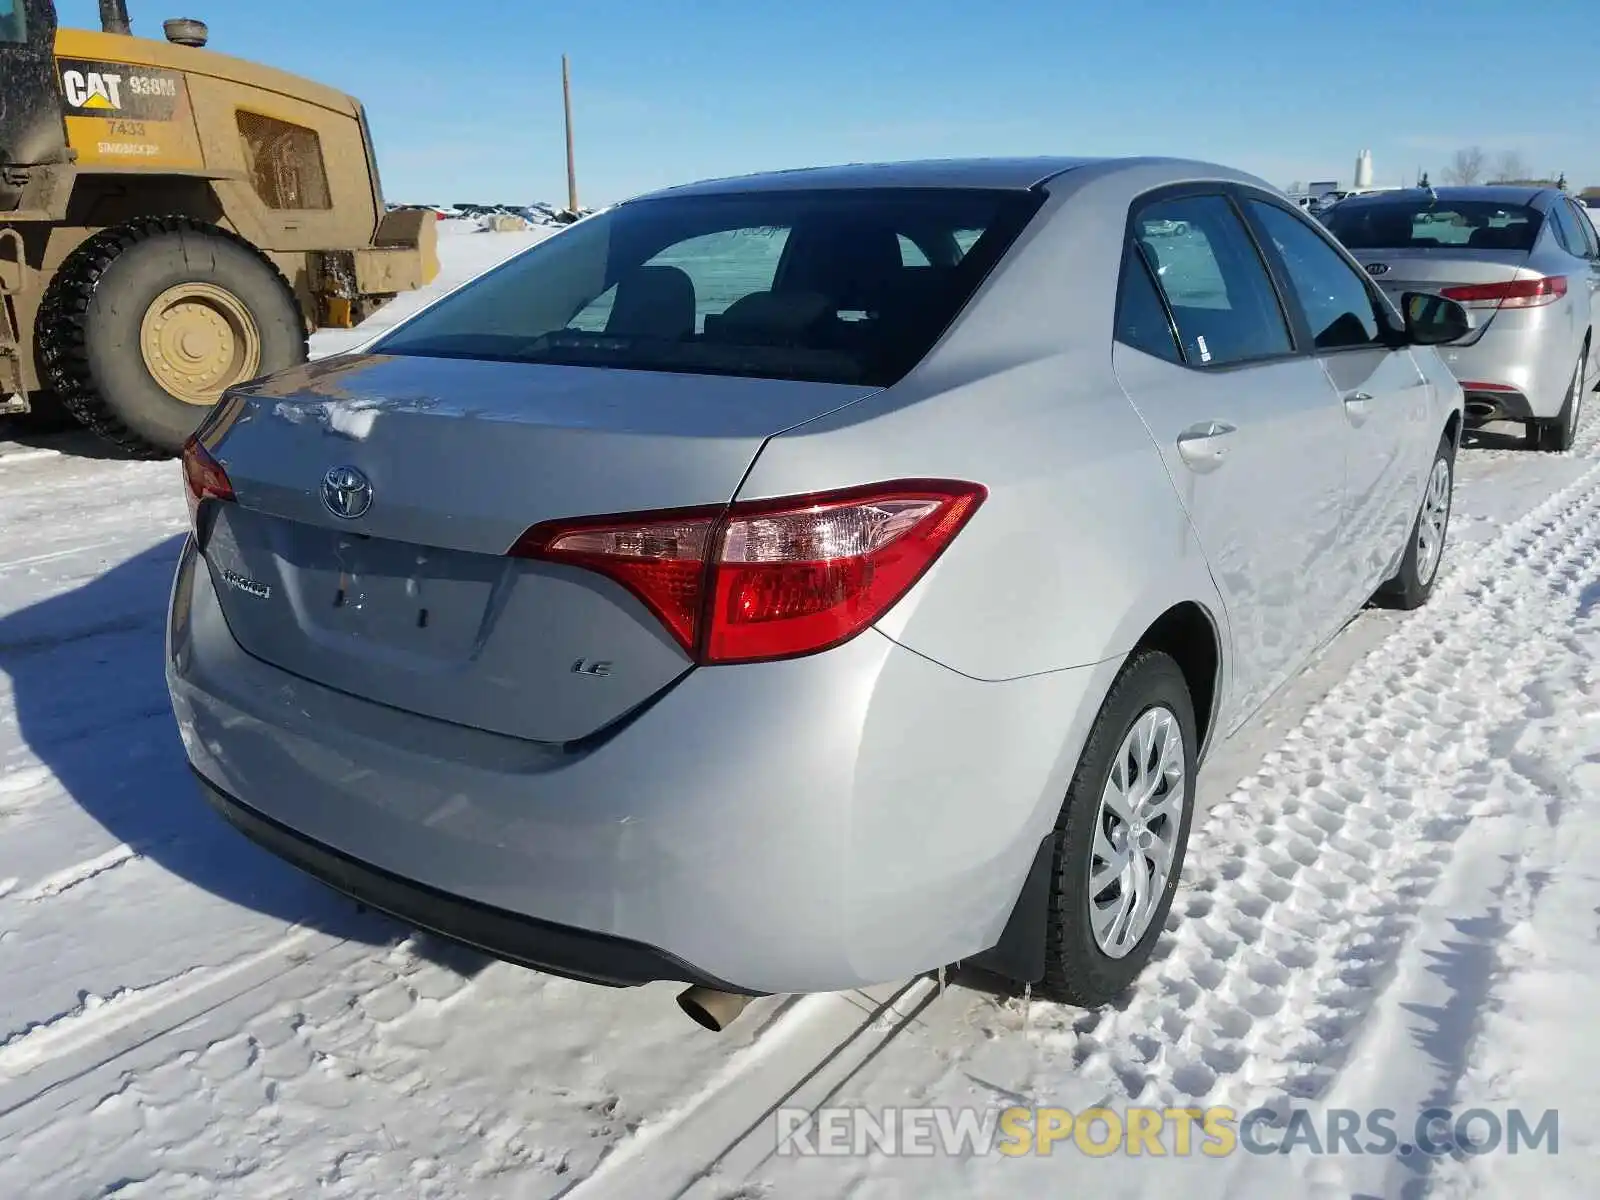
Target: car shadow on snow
(1502, 436)
(87, 678)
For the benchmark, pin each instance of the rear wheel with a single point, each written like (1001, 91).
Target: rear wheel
(147, 324)
(1561, 433)
(1419, 565)
(1122, 834)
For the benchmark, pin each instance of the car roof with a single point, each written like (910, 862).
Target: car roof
(1502, 193)
(1005, 174)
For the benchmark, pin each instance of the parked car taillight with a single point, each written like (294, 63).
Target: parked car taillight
(769, 579)
(204, 479)
(1519, 293)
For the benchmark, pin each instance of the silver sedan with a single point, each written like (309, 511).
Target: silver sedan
(1525, 263)
(801, 581)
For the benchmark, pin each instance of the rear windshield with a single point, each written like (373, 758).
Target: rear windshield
(847, 286)
(1423, 225)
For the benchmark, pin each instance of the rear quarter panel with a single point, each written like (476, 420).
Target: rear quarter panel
(1081, 544)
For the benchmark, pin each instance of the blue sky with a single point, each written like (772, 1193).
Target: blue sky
(465, 99)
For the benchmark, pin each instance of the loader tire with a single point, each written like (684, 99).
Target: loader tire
(146, 324)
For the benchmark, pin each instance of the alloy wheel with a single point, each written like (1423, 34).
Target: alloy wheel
(1136, 831)
(1433, 519)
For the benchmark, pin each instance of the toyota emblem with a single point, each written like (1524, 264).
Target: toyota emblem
(346, 492)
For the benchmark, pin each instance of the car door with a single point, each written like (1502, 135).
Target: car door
(1570, 254)
(1384, 395)
(1247, 426)
(1590, 243)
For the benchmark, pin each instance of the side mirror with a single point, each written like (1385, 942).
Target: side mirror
(1432, 320)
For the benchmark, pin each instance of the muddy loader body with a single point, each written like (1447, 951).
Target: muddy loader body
(174, 221)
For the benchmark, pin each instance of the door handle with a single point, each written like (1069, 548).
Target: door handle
(1355, 406)
(1203, 446)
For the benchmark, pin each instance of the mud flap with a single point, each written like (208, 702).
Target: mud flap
(1019, 954)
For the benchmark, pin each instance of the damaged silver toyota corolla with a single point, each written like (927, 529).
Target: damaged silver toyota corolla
(802, 581)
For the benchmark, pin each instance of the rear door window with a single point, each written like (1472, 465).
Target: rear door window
(1337, 305)
(1566, 231)
(1586, 230)
(846, 286)
(1142, 320)
(1214, 281)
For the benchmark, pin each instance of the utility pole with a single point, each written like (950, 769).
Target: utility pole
(572, 171)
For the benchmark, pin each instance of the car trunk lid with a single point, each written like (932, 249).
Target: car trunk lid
(413, 602)
(1416, 269)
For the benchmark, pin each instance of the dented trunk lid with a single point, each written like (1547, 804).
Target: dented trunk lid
(412, 602)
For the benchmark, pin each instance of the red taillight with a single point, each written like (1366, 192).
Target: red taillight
(1519, 293)
(659, 557)
(203, 477)
(772, 578)
(796, 576)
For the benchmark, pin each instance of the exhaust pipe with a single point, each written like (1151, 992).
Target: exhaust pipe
(712, 1009)
(114, 16)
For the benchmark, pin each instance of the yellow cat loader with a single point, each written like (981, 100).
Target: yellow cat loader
(174, 221)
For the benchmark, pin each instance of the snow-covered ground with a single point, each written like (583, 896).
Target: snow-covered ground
(1393, 902)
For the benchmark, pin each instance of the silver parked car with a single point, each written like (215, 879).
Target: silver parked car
(800, 581)
(1525, 263)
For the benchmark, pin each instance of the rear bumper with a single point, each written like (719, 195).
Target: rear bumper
(557, 949)
(1484, 406)
(1529, 351)
(810, 825)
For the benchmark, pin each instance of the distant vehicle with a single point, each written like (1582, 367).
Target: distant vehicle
(1167, 228)
(1526, 264)
(797, 582)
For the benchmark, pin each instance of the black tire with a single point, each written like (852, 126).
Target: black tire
(1559, 435)
(1077, 970)
(1413, 583)
(89, 324)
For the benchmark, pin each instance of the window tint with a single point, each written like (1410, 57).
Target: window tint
(1213, 279)
(1566, 232)
(1587, 229)
(1141, 317)
(723, 267)
(911, 254)
(1420, 223)
(1333, 295)
(783, 285)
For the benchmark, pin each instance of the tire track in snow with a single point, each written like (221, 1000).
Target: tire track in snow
(25, 779)
(70, 877)
(96, 1019)
(804, 1058)
(1303, 884)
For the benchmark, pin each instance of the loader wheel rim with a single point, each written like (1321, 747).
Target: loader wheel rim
(198, 339)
